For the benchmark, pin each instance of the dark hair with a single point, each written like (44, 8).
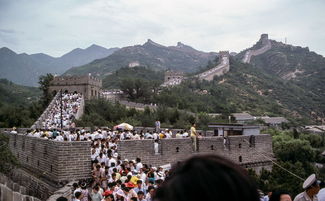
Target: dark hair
(134, 199)
(150, 187)
(140, 193)
(61, 199)
(111, 196)
(207, 177)
(75, 185)
(77, 194)
(276, 195)
(96, 188)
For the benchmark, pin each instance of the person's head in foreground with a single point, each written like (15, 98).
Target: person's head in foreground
(280, 196)
(207, 177)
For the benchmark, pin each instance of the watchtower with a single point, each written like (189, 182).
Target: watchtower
(223, 54)
(87, 85)
(264, 38)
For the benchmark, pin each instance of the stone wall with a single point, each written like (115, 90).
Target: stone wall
(11, 191)
(250, 152)
(58, 162)
(222, 68)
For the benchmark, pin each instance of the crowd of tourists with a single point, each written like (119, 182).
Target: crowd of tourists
(202, 177)
(82, 134)
(69, 106)
(207, 177)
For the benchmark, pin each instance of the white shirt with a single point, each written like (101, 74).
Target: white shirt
(304, 197)
(321, 194)
(59, 138)
(138, 166)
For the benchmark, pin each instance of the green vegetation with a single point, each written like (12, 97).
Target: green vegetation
(44, 82)
(300, 70)
(243, 88)
(297, 153)
(117, 78)
(18, 105)
(8, 161)
(103, 113)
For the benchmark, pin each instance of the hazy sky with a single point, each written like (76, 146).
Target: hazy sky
(58, 26)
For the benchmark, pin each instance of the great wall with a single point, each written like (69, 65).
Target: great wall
(222, 68)
(266, 46)
(48, 167)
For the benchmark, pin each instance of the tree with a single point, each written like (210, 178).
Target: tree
(293, 150)
(136, 88)
(44, 81)
(8, 160)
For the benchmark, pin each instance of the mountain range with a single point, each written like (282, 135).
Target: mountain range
(25, 69)
(284, 80)
(179, 58)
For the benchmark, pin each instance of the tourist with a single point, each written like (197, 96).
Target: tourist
(156, 146)
(98, 174)
(321, 193)
(280, 196)
(14, 130)
(141, 196)
(85, 192)
(311, 187)
(138, 165)
(194, 136)
(108, 197)
(95, 194)
(267, 196)
(140, 187)
(208, 178)
(61, 199)
(157, 125)
(78, 196)
(150, 194)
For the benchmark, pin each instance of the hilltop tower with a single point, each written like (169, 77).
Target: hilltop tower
(264, 39)
(87, 85)
(223, 54)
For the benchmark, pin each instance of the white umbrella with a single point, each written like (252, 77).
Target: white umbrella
(123, 126)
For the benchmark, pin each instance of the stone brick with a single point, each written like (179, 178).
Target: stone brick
(16, 187)
(7, 193)
(22, 190)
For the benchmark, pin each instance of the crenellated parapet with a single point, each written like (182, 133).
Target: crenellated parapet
(55, 161)
(247, 151)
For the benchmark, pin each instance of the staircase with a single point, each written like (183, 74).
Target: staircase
(52, 111)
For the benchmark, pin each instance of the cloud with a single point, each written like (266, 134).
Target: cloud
(56, 27)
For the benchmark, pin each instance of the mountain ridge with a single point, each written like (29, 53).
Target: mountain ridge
(24, 69)
(150, 54)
